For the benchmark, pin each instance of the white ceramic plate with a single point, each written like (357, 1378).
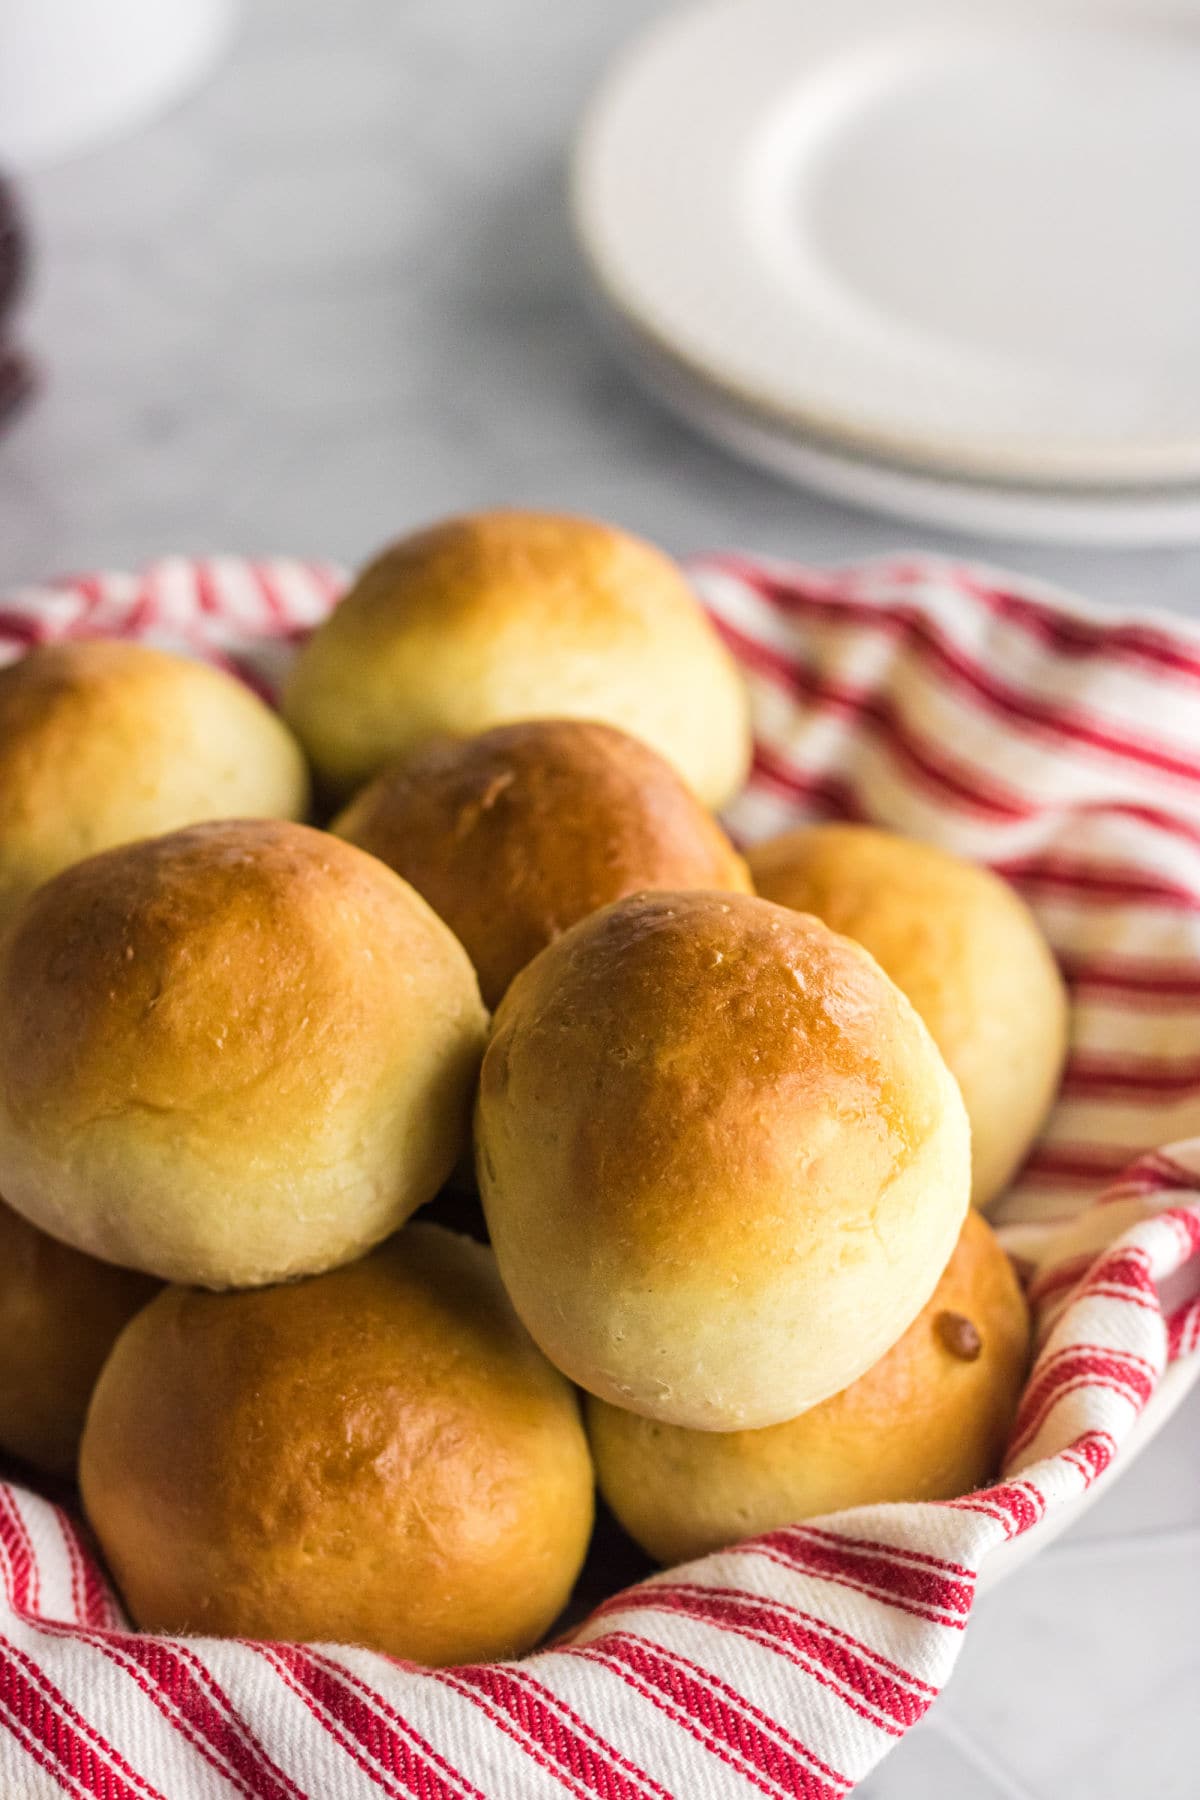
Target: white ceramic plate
(1117, 517)
(961, 236)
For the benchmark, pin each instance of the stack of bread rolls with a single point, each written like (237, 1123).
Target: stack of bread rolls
(726, 1114)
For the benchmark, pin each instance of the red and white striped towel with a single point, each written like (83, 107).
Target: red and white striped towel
(1059, 746)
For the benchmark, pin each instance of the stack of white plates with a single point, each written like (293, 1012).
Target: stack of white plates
(943, 259)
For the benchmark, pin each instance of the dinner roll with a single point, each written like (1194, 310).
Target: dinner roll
(500, 616)
(240, 1052)
(722, 1162)
(928, 1421)
(376, 1456)
(102, 742)
(514, 835)
(59, 1314)
(968, 953)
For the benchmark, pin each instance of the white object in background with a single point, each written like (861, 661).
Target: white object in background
(955, 237)
(74, 72)
(1124, 518)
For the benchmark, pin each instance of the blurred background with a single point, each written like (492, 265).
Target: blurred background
(333, 292)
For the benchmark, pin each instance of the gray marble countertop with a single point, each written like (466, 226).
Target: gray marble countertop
(333, 295)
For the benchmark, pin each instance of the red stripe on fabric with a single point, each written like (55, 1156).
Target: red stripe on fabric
(24, 1575)
(380, 1702)
(1174, 824)
(1030, 712)
(1071, 1457)
(1079, 1162)
(583, 1726)
(1025, 1433)
(1099, 1290)
(395, 1755)
(208, 589)
(119, 1647)
(1086, 881)
(1127, 1265)
(76, 1563)
(1074, 637)
(187, 1694)
(830, 792)
(977, 1503)
(142, 615)
(850, 1673)
(1049, 1358)
(1068, 1273)
(93, 1603)
(1095, 1072)
(94, 1764)
(696, 1727)
(497, 1719)
(37, 1755)
(1097, 881)
(1183, 1330)
(1097, 1449)
(274, 606)
(962, 783)
(911, 1590)
(1013, 1499)
(790, 1743)
(1133, 1187)
(1130, 975)
(330, 1726)
(98, 1642)
(1075, 1362)
(724, 1717)
(1166, 1164)
(756, 1546)
(1134, 999)
(91, 588)
(22, 629)
(593, 1765)
(856, 1645)
(1185, 1219)
(924, 1559)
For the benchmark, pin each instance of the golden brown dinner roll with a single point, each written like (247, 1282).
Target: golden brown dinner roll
(722, 1162)
(968, 953)
(59, 1314)
(376, 1456)
(928, 1421)
(232, 1054)
(102, 742)
(514, 835)
(510, 615)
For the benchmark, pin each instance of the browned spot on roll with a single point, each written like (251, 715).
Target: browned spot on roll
(959, 1335)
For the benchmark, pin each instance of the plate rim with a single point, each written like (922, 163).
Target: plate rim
(1117, 518)
(1059, 464)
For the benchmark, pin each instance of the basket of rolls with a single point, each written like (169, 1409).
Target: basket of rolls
(587, 1148)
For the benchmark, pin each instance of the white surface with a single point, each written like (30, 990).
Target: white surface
(957, 234)
(1123, 520)
(73, 72)
(335, 294)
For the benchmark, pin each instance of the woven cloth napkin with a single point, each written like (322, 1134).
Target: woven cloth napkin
(1058, 745)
